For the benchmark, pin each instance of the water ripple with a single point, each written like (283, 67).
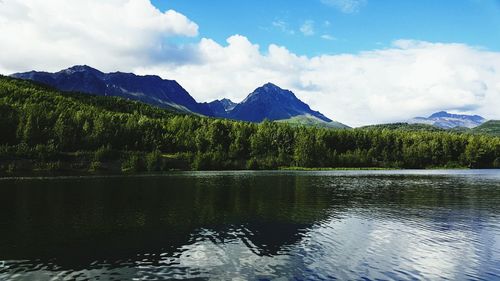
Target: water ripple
(349, 225)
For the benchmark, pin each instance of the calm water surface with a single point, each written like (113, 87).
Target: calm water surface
(370, 225)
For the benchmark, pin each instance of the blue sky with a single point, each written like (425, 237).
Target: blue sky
(367, 25)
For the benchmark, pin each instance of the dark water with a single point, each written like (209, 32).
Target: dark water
(399, 225)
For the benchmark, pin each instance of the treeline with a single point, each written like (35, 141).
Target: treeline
(52, 130)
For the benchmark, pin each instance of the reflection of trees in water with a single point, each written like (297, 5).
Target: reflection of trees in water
(116, 219)
(119, 218)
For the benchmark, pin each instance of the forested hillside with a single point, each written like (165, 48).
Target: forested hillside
(491, 127)
(46, 130)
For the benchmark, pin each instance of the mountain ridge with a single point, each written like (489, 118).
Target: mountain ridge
(445, 120)
(149, 89)
(266, 102)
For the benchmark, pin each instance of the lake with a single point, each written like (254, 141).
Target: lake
(396, 225)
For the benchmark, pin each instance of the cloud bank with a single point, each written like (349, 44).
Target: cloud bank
(110, 34)
(408, 79)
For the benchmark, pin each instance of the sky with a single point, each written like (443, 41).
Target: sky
(359, 62)
(317, 27)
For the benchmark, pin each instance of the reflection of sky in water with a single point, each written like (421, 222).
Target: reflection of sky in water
(368, 246)
(452, 235)
(361, 244)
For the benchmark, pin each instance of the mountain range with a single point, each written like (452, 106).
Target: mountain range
(148, 89)
(447, 120)
(267, 102)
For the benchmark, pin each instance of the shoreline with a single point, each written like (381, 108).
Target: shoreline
(73, 175)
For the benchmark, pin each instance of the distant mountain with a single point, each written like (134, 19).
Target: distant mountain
(272, 103)
(148, 89)
(447, 120)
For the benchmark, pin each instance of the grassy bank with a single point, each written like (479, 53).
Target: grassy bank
(336, 169)
(103, 161)
(109, 162)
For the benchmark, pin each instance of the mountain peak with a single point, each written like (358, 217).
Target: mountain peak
(440, 114)
(228, 104)
(274, 103)
(219, 108)
(270, 93)
(271, 89)
(81, 68)
(270, 85)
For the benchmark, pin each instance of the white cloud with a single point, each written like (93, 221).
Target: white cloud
(328, 37)
(282, 26)
(410, 78)
(307, 28)
(56, 33)
(346, 6)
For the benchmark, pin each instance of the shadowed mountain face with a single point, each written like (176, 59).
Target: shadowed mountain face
(447, 120)
(148, 89)
(219, 108)
(273, 103)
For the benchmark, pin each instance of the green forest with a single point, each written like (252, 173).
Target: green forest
(44, 130)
